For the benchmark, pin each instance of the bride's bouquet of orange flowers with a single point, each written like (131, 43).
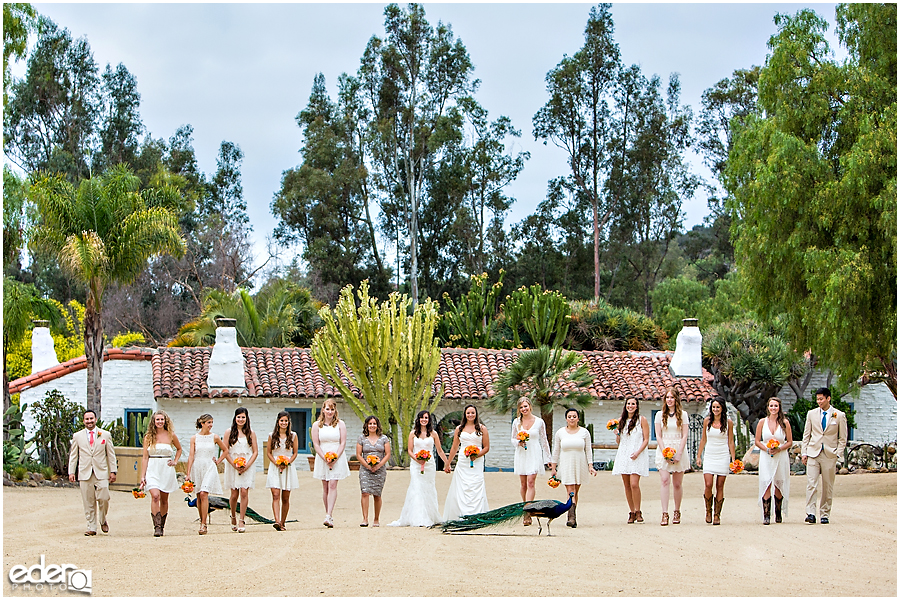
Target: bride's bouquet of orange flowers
(282, 461)
(736, 466)
(523, 436)
(239, 462)
(187, 487)
(138, 493)
(330, 457)
(372, 460)
(669, 454)
(612, 424)
(423, 455)
(553, 481)
(773, 444)
(470, 452)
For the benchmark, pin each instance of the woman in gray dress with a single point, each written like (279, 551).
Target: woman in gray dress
(373, 450)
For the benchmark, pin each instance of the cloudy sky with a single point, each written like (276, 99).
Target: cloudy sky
(242, 72)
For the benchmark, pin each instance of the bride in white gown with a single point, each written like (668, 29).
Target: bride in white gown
(467, 494)
(421, 506)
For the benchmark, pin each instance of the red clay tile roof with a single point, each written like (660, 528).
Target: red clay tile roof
(464, 373)
(77, 364)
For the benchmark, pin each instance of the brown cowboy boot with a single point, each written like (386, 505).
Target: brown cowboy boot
(719, 503)
(157, 528)
(767, 509)
(778, 502)
(571, 521)
(709, 507)
(162, 523)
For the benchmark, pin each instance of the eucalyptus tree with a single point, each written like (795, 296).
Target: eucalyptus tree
(103, 232)
(411, 80)
(19, 19)
(576, 118)
(120, 119)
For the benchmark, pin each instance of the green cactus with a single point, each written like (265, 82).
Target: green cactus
(542, 314)
(471, 322)
(390, 356)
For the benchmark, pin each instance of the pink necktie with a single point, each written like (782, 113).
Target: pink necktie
(92, 437)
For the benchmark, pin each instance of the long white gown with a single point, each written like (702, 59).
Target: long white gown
(467, 494)
(774, 469)
(420, 509)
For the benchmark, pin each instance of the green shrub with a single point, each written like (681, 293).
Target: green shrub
(601, 326)
(19, 472)
(58, 419)
(797, 414)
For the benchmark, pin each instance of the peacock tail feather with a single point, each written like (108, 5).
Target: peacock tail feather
(490, 518)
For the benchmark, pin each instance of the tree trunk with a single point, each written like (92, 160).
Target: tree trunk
(890, 367)
(547, 416)
(93, 352)
(7, 401)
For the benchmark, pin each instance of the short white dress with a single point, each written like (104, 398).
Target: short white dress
(572, 455)
(233, 479)
(774, 470)
(629, 442)
(531, 459)
(204, 473)
(282, 480)
(671, 438)
(330, 441)
(160, 476)
(716, 456)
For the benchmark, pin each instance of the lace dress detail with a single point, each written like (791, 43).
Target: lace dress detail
(420, 509)
(160, 476)
(671, 438)
(204, 473)
(234, 480)
(628, 445)
(531, 459)
(286, 479)
(774, 470)
(369, 482)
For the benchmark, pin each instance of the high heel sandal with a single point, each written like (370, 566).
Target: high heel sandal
(638, 517)
(665, 519)
(233, 523)
(202, 529)
(676, 517)
(240, 528)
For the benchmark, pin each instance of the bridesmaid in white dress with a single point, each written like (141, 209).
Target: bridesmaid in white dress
(715, 453)
(329, 434)
(281, 480)
(241, 444)
(467, 494)
(420, 509)
(632, 459)
(530, 456)
(573, 454)
(774, 463)
(161, 453)
(671, 425)
(202, 466)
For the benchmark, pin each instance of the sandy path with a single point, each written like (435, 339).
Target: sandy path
(602, 557)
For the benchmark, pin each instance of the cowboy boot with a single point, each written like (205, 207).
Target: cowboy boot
(157, 527)
(778, 502)
(571, 521)
(709, 507)
(162, 523)
(767, 508)
(719, 503)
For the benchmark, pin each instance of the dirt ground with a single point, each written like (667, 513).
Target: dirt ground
(856, 555)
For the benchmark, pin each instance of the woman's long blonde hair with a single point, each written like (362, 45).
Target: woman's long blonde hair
(321, 420)
(150, 436)
(519, 408)
(665, 415)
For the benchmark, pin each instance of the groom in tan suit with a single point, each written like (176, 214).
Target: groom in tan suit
(93, 459)
(824, 438)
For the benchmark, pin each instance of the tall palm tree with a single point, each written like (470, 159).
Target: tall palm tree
(548, 378)
(104, 232)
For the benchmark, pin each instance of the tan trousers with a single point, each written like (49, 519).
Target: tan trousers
(94, 495)
(816, 467)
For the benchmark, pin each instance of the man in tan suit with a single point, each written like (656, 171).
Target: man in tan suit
(824, 438)
(93, 459)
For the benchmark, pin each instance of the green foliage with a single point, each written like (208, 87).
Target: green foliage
(19, 19)
(682, 297)
(15, 448)
(539, 316)
(801, 406)
(601, 326)
(57, 421)
(117, 431)
(814, 189)
(135, 429)
(19, 472)
(388, 354)
(470, 322)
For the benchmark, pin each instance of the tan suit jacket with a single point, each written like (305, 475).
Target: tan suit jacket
(829, 442)
(99, 459)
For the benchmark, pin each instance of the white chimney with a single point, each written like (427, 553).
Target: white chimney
(43, 352)
(226, 365)
(687, 360)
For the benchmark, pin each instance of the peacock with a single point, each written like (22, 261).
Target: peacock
(220, 503)
(549, 509)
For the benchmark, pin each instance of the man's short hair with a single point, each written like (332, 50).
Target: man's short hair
(824, 391)
(92, 411)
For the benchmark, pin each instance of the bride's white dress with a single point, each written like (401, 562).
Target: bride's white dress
(421, 506)
(467, 494)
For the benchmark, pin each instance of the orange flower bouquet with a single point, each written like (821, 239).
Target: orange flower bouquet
(372, 460)
(773, 444)
(553, 481)
(239, 462)
(612, 424)
(187, 487)
(523, 436)
(736, 466)
(282, 461)
(423, 455)
(138, 493)
(669, 454)
(471, 453)
(330, 457)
